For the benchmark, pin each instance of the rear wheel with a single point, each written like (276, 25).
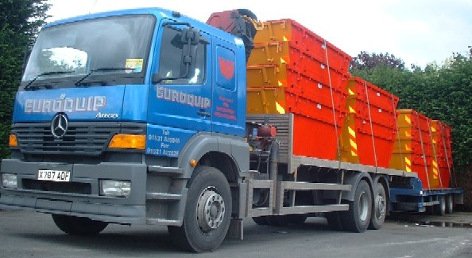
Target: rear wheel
(441, 208)
(357, 219)
(449, 204)
(207, 212)
(78, 226)
(379, 208)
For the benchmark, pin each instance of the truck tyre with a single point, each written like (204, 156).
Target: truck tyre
(449, 204)
(379, 208)
(357, 219)
(441, 207)
(334, 220)
(78, 226)
(207, 212)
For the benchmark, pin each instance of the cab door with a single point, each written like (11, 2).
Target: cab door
(181, 91)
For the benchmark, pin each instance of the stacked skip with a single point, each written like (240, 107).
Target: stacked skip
(293, 70)
(413, 151)
(442, 164)
(369, 130)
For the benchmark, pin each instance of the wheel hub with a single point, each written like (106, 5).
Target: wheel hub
(363, 207)
(380, 206)
(210, 210)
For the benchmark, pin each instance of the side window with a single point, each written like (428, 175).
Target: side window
(175, 54)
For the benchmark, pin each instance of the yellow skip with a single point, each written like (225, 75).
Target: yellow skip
(351, 131)
(353, 144)
(408, 161)
(408, 119)
(279, 108)
(351, 92)
(351, 110)
(408, 147)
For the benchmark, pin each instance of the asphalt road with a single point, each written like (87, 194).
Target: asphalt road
(28, 234)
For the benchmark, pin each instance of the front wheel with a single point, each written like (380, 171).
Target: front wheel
(78, 226)
(357, 219)
(207, 212)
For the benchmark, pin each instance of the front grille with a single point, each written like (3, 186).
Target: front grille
(61, 187)
(81, 138)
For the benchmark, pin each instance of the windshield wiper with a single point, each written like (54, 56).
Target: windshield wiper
(103, 69)
(30, 84)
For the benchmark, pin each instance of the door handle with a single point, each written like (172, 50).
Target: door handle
(203, 113)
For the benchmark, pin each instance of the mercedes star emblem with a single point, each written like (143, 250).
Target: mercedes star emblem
(59, 125)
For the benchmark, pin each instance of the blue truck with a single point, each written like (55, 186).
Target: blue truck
(139, 117)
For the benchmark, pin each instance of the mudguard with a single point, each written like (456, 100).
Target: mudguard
(353, 179)
(203, 143)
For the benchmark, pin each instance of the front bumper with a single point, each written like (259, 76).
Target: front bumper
(89, 203)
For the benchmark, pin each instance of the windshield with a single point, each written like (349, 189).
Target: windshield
(114, 49)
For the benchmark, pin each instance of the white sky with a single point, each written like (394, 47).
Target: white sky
(418, 31)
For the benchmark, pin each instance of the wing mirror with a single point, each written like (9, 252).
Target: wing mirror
(187, 39)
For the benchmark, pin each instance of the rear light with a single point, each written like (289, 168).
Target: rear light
(128, 141)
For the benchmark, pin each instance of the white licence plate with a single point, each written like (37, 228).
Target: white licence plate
(53, 175)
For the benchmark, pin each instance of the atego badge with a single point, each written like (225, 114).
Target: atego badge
(59, 125)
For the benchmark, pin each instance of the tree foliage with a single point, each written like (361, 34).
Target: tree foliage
(367, 60)
(440, 92)
(20, 21)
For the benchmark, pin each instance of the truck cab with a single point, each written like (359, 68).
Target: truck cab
(115, 115)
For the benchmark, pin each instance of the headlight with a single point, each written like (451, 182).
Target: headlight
(115, 188)
(9, 180)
